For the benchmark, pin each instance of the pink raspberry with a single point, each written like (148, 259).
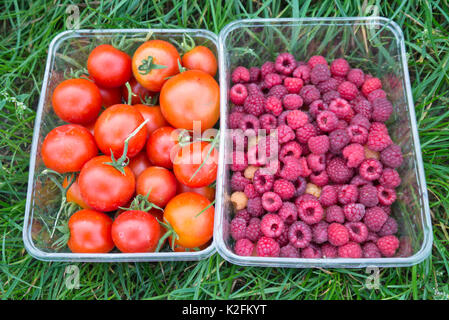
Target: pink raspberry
(255, 208)
(375, 218)
(289, 251)
(390, 227)
(328, 197)
(350, 250)
(282, 240)
(267, 247)
(388, 245)
(362, 121)
(340, 67)
(238, 94)
(311, 252)
(293, 85)
(327, 121)
(243, 247)
(304, 133)
(254, 105)
(387, 209)
(378, 138)
(347, 194)
(243, 214)
(370, 85)
(274, 105)
(337, 234)
(239, 161)
(382, 109)
(256, 157)
(328, 250)
(338, 171)
(304, 170)
(309, 93)
(310, 211)
(250, 191)
(363, 107)
(338, 139)
(316, 162)
(285, 63)
(271, 201)
(285, 133)
(262, 181)
(253, 89)
(268, 122)
(335, 213)
(234, 119)
(320, 179)
(296, 119)
(318, 144)
(348, 90)
(284, 188)
(320, 73)
(316, 107)
(357, 134)
(250, 123)
(354, 154)
(340, 107)
(372, 236)
(299, 234)
(359, 181)
(368, 196)
(386, 196)
(254, 74)
(330, 96)
(240, 75)
(266, 68)
(390, 178)
(354, 212)
(238, 228)
(290, 149)
(328, 85)
(379, 93)
(358, 232)
(391, 156)
(271, 80)
(291, 169)
(271, 225)
(288, 213)
(370, 250)
(314, 60)
(292, 101)
(302, 72)
(319, 232)
(238, 181)
(356, 76)
(300, 186)
(370, 169)
(253, 231)
(282, 118)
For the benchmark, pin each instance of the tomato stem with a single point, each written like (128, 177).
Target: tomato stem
(170, 232)
(148, 65)
(131, 94)
(208, 206)
(142, 203)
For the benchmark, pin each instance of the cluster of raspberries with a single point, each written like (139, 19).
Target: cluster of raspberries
(334, 175)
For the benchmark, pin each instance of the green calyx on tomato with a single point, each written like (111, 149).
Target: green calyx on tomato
(142, 203)
(147, 65)
(169, 233)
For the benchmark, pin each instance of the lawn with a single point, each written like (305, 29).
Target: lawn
(26, 29)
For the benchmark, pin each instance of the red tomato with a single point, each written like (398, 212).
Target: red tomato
(103, 187)
(110, 96)
(90, 232)
(139, 163)
(190, 96)
(67, 148)
(207, 192)
(136, 231)
(162, 147)
(185, 214)
(188, 160)
(74, 193)
(179, 248)
(141, 94)
(108, 66)
(77, 101)
(154, 116)
(200, 58)
(155, 53)
(161, 184)
(114, 125)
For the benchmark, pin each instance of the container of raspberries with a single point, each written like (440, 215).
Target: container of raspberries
(320, 165)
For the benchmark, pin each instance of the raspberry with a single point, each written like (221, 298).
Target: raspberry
(316, 107)
(253, 231)
(328, 197)
(390, 227)
(288, 212)
(392, 156)
(254, 74)
(357, 134)
(289, 251)
(359, 181)
(309, 93)
(328, 251)
(299, 234)
(240, 75)
(254, 207)
(390, 178)
(249, 122)
(382, 109)
(285, 63)
(304, 170)
(267, 247)
(319, 144)
(278, 91)
(234, 119)
(375, 218)
(243, 214)
(340, 107)
(361, 120)
(291, 169)
(339, 67)
(335, 213)
(239, 200)
(363, 107)
(370, 169)
(310, 211)
(285, 133)
(290, 149)
(368, 196)
(348, 90)
(284, 188)
(354, 154)
(314, 60)
(292, 101)
(304, 133)
(388, 245)
(338, 172)
(338, 139)
(347, 194)
(253, 89)
(370, 154)
(330, 96)
(356, 76)
(271, 225)
(255, 157)
(370, 85)
(372, 236)
(282, 240)
(302, 72)
(237, 228)
(337, 234)
(320, 179)
(238, 181)
(379, 93)
(311, 252)
(296, 119)
(266, 68)
(350, 250)
(313, 190)
(268, 121)
(262, 182)
(327, 121)
(243, 247)
(319, 232)
(320, 73)
(354, 212)
(300, 186)
(370, 250)
(250, 191)
(271, 201)
(238, 94)
(271, 80)
(282, 119)
(316, 162)
(239, 161)
(254, 104)
(293, 85)
(358, 232)
(274, 105)
(328, 85)
(378, 138)
(386, 196)
(387, 209)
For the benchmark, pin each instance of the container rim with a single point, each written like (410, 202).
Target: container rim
(426, 246)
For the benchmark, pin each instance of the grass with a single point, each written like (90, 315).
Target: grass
(27, 28)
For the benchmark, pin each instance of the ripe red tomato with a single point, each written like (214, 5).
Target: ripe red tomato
(108, 66)
(90, 232)
(153, 62)
(141, 94)
(136, 231)
(207, 191)
(162, 147)
(103, 187)
(154, 116)
(139, 163)
(114, 125)
(74, 193)
(160, 182)
(190, 96)
(67, 148)
(188, 160)
(193, 227)
(110, 96)
(77, 101)
(200, 58)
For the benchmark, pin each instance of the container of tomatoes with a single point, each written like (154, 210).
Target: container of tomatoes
(125, 148)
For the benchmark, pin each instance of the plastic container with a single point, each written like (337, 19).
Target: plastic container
(375, 45)
(70, 49)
